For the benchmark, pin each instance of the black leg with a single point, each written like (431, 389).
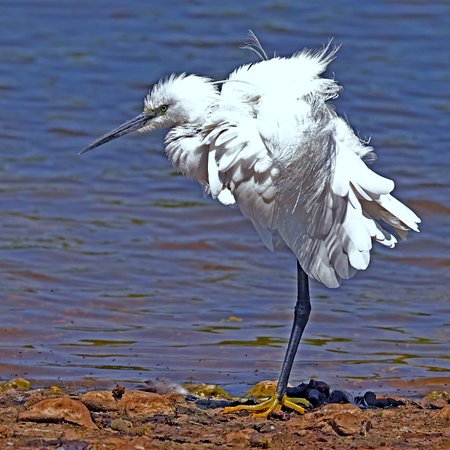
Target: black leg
(301, 316)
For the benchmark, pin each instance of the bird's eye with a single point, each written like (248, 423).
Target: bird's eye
(163, 108)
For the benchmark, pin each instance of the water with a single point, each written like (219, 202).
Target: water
(116, 269)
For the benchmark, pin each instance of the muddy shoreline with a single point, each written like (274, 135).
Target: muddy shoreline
(134, 419)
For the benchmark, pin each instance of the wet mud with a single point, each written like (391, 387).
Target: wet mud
(136, 419)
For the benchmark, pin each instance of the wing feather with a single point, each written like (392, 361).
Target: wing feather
(296, 169)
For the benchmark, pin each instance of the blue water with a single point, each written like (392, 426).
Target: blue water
(116, 269)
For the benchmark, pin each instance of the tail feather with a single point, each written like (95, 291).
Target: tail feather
(406, 217)
(392, 212)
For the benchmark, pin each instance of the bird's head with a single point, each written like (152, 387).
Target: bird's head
(173, 101)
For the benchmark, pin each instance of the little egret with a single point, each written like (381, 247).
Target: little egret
(268, 140)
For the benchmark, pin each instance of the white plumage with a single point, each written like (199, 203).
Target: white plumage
(270, 141)
(296, 169)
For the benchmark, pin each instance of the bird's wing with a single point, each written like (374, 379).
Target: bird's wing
(319, 197)
(241, 170)
(295, 169)
(329, 204)
(240, 165)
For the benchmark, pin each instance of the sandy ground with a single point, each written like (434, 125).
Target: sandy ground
(133, 419)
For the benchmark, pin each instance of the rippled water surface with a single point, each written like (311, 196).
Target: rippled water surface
(116, 269)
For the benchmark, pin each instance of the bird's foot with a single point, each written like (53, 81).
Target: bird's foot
(273, 404)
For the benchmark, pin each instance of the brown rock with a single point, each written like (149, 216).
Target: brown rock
(344, 420)
(140, 443)
(347, 424)
(71, 433)
(260, 440)
(116, 443)
(133, 403)
(101, 401)
(138, 404)
(239, 436)
(4, 431)
(248, 437)
(435, 399)
(59, 409)
(443, 414)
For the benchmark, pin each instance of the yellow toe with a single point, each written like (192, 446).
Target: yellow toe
(272, 404)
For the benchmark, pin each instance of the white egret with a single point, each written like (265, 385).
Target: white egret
(270, 142)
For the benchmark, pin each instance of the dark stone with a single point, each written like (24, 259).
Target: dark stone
(387, 403)
(118, 392)
(74, 444)
(322, 387)
(298, 391)
(339, 397)
(208, 403)
(370, 398)
(316, 392)
(316, 398)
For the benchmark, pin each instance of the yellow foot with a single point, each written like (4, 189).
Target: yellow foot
(273, 404)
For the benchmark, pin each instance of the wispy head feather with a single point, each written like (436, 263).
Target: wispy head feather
(322, 57)
(255, 46)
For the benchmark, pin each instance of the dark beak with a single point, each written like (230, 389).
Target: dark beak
(127, 127)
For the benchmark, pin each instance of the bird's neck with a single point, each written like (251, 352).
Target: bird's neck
(186, 152)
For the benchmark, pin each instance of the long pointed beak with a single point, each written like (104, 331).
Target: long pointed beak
(127, 127)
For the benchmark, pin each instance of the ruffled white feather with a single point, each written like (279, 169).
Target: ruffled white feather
(273, 145)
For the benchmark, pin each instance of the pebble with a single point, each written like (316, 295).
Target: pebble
(74, 444)
(163, 386)
(318, 393)
(20, 384)
(262, 389)
(120, 424)
(206, 390)
(435, 400)
(239, 436)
